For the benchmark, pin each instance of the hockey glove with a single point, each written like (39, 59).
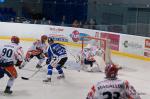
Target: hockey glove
(48, 61)
(18, 64)
(23, 63)
(54, 61)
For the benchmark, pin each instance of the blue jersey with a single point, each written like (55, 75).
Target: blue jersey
(56, 49)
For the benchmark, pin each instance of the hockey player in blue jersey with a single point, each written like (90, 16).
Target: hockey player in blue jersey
(57, 57)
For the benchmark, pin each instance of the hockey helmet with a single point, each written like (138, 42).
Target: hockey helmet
(43, 37)
(50, 40)
(15, 39)
(111, 71)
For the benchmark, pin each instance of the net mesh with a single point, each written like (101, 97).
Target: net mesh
(101, 47)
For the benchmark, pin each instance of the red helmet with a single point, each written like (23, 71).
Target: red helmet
(43, 37)
(15, 39)
(111, 71)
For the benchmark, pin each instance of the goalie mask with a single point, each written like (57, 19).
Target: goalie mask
(111, 71)
(15, 39)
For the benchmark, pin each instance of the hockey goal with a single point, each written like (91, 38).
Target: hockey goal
(101, 47)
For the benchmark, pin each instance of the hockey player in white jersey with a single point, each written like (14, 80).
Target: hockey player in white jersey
(11, 55)
(88, 57)
(57, 57)
(39, 50)
(112, 87)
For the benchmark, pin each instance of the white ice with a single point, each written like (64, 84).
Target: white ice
(76, 84)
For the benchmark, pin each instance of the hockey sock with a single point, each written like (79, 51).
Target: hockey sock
(60, 71)
(10, 82)
(50, 69)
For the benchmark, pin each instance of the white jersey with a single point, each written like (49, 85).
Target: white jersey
(88, 55)
(11, 53)
(38, 46)
(113, 89)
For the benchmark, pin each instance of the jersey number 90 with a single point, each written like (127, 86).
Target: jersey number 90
(7, 52)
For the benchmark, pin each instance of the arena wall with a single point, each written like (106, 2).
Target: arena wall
(121, 44)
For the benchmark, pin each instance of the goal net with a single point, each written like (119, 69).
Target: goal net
(101, 48)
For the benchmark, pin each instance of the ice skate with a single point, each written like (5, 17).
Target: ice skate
(62, 76)
(38, 66)
(47, 80)
(8, 91)
(89, 69)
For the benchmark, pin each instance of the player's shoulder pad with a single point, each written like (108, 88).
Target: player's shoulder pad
(19, 47)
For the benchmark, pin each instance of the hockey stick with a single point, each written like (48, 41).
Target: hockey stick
(141, 93)
(27, 78)
(77, 59)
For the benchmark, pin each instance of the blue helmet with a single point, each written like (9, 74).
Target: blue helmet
(50, 39)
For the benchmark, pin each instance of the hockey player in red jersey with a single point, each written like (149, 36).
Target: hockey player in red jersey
(112, 87)
(39, 50)
(11, 55)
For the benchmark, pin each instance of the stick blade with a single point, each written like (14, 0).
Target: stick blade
(25, 78)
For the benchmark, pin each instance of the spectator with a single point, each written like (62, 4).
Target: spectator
(75, 24)
(63, 21)
(92, 24)
(80, 24)
(86, 25)
(49, 22)
(17, 20)
(35, 21)
(43, 21)
(12, 20)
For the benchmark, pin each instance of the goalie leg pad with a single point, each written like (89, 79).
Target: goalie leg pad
(50, 69)
(86, 62)
(40, 61)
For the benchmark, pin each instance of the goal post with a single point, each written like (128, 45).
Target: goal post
(100, 43)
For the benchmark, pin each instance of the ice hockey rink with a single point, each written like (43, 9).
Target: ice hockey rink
(76, 84)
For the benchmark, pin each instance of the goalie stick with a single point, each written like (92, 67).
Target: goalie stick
(27, 78)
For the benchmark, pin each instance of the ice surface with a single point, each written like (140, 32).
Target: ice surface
(76, 84)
